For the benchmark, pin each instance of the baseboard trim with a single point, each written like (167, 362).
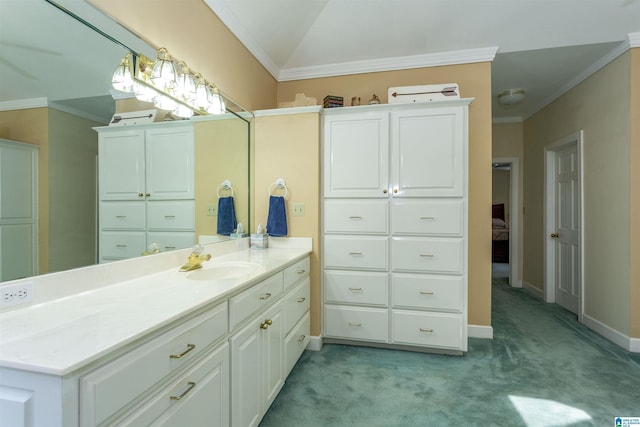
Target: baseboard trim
(516, 284)
(533, 290)
(477, 331)
(315, 343)
(616, 337)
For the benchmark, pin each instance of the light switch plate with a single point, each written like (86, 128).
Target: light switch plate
(298, 209)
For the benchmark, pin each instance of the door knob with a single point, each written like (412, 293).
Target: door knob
(555, 235)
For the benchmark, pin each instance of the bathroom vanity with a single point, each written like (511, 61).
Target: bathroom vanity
(139, 343)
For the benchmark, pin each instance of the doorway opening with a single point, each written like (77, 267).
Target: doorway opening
(506, 220)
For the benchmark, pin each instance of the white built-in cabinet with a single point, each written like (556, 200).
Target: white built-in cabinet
(146, 186)
(18, 210)
(395, 225)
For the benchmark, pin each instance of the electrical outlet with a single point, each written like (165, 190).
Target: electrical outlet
(18, 293)
(298, 209)
(212, 210)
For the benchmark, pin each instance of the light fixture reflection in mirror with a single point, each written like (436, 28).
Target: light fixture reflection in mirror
(169, 85)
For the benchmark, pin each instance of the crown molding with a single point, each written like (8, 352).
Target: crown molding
(23, 104)
(389, 64)
(79, 113)
(504, 120)
(634, 40)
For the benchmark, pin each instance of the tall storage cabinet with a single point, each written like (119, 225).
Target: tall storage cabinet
(395, 225)
(146, 187)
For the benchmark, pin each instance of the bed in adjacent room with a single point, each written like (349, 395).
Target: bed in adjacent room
(500, 234)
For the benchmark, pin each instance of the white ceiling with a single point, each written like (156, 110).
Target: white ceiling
(543, 46)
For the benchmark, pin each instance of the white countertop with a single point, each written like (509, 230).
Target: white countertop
(64, 334)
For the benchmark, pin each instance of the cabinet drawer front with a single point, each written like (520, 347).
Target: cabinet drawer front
(427, 329)
(126, 244)
(172, 240)
(425, 254)
(293, 274)
(434, 217)
(427, 292)
(356, 252)
(360, 288)
(171, 215)
(248, 302)
(356, 216)
(296, 303)
(296, 342)
(122, 216)
(111, 387)
(370, 324)
(205, 396)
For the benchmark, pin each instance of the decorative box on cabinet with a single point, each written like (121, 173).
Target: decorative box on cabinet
(146, 187)
(395, 225)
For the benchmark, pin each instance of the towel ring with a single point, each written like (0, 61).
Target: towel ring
(278, 184)
(225, 185)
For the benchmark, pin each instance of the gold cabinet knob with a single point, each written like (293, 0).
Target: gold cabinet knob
(148, 195)
(395, 191)
(384, 191)
(140, 195)
(555, 235)
(266, 324)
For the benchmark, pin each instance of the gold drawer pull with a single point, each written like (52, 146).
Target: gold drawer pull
(121, 216)
(355, 253)
(426, 292)
(120, 245)
(184, 353)
(355, 289)
(302, 337)
(140, 195)
(169, 217)
(265, 296)
(148, 195)
(191, 386)
(303, 299)
(301, 271)
(426, 330)
(427, 255)
(169, 247)
(427, 218)
(355, 324)
(356, 217)
(266, 324)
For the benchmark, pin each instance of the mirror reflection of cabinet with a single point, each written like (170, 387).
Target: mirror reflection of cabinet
(146, 189)
(18, 210)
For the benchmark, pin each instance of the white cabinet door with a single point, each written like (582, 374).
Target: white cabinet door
(356, 155)
(169, 163)
(257, 371)
(427, 157)
(121, 165)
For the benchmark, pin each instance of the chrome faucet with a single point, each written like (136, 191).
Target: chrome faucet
(196, 259)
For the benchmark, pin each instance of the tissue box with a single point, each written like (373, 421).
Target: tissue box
(259, 241)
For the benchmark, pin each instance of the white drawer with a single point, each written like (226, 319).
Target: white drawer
(122, 216)
(350, 287)
(248, 302)
(296, 303)
(172, 240)
(122, 244)
(106, 390)
(296, 342)
(356, 323)
(433, 217)
(356, 252)
(176, 215)
(293, 274)
(438, 255)
(427, 292)
(427, 329)
(207, 380)
(356, 216)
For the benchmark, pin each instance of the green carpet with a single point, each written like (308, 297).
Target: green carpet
(541, 369)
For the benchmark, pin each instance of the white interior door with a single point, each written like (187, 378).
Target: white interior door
(564, 226)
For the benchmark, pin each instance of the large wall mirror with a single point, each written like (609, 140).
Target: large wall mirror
(56, 88)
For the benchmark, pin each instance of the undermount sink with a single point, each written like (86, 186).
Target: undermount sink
(227, 270)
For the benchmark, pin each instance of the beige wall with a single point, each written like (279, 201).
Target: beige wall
(475, 82)
(508, 142)
(288, 147)
(599, 106)
(194, 34)
(634, 231)
(32, 127)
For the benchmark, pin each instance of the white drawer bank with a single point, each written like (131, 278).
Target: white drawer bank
(159, 349)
